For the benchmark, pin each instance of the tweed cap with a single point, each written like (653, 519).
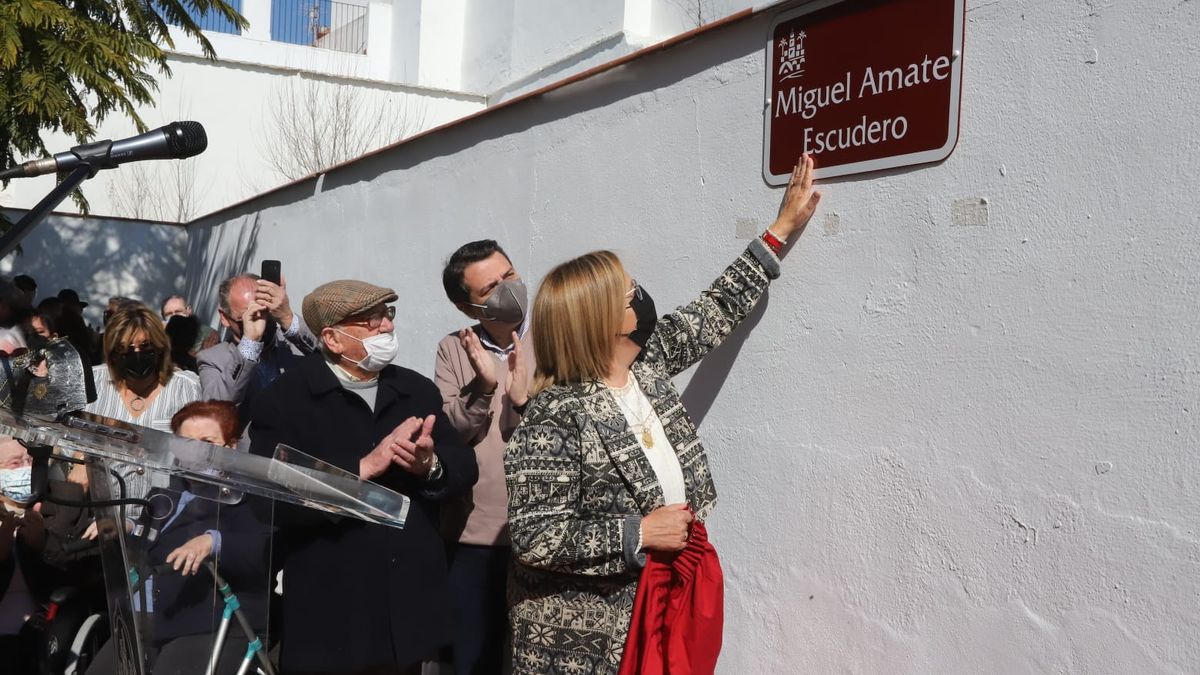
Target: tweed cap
(331, 303)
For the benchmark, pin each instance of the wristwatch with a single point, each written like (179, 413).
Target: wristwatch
(435, 471)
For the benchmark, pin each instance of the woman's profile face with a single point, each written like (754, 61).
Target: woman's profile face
(628, 318)
(203, 429)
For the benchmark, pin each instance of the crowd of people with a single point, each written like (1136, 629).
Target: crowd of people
(549, 461)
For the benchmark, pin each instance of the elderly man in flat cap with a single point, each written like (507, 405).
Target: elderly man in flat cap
(362, 598)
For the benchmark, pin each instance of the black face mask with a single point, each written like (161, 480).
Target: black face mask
(140, 365)
(647, 317)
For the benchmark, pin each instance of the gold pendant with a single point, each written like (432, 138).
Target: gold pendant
(647, 439)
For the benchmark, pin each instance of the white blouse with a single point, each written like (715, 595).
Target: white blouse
(648, 429)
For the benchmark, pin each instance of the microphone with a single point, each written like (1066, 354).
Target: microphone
(176, 140)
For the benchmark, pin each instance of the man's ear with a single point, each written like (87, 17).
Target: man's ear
(225, 319)
(468, 310)
(332, 340)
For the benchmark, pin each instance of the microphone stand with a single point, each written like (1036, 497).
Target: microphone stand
(92, 157)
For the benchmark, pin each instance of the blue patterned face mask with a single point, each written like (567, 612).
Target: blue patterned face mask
(17, 484)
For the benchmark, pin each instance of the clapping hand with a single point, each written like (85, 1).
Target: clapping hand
(414, 452)
(481, 361)
(409, 446)
(518, 374)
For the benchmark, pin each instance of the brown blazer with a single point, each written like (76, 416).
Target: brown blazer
(579, 484)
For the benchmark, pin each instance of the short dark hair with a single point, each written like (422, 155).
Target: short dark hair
(162, 308)
(25, 282)
(452, 275)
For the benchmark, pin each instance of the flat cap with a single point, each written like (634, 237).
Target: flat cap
(331, 303)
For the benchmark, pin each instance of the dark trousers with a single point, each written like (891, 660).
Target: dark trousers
(478, 582)
(186, 655)
(19, 652)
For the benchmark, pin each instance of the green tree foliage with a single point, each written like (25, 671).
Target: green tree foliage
(67, 64)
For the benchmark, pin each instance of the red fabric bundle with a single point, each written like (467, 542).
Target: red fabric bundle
(678, 613)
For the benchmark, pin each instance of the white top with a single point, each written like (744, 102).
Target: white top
(180, 390)
(642, 418)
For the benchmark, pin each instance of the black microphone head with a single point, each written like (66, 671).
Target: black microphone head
(186, 139)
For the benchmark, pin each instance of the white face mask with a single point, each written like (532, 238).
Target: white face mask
(381, 349)
(16, 484)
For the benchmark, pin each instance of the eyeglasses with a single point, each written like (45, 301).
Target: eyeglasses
(373, 321)
(635, 291)
(144, 346)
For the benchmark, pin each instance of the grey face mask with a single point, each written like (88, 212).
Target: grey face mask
(507, 303)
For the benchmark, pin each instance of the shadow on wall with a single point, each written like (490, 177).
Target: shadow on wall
(217, 253)
(101, 258)
(710, 375)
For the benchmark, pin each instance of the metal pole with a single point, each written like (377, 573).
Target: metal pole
(12, 238)
(220, 642)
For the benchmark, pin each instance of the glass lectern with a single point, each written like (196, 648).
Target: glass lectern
(212, 612)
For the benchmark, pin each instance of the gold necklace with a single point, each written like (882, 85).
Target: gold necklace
(643, 427)
(138, 403)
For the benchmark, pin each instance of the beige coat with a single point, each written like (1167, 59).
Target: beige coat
(485, 422)
(579, 484)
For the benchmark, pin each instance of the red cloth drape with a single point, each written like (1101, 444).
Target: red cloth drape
(678, 613)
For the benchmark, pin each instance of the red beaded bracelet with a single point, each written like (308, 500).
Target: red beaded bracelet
(772, 242)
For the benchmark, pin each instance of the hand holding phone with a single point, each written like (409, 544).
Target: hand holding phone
(273, 295)
(272, 271)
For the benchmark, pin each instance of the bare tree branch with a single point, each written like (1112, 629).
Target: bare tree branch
(314, 124)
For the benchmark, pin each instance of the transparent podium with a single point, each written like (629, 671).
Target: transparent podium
(183, 528)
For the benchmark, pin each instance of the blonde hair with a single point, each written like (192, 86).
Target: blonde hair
(576, 317)
(122, 326)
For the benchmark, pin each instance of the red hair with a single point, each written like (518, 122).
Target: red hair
(224, 413)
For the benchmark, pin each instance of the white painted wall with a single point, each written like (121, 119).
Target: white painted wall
(941, 448)
(100, 258)
(234, 102)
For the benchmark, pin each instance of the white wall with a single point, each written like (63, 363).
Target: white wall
(234, 101)
(100, 258)
(941, 448)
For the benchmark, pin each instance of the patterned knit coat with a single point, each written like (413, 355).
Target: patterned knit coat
(579, 484)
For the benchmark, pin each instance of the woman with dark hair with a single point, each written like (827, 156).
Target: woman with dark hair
(606, 466)
(185, 602)
(44, 325)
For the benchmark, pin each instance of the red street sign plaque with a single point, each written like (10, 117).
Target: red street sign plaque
(863, 85)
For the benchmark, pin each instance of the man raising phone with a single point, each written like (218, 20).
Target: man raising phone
(263, 339)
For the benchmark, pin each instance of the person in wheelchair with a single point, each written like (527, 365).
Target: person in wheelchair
(182, 599)
(41, 567)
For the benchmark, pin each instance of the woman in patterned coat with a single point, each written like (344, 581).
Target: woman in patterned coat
(606, 461)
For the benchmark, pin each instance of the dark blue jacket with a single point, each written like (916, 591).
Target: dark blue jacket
(190, 605)
(357, 595)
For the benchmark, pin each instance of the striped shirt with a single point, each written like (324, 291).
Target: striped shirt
(180, 390)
